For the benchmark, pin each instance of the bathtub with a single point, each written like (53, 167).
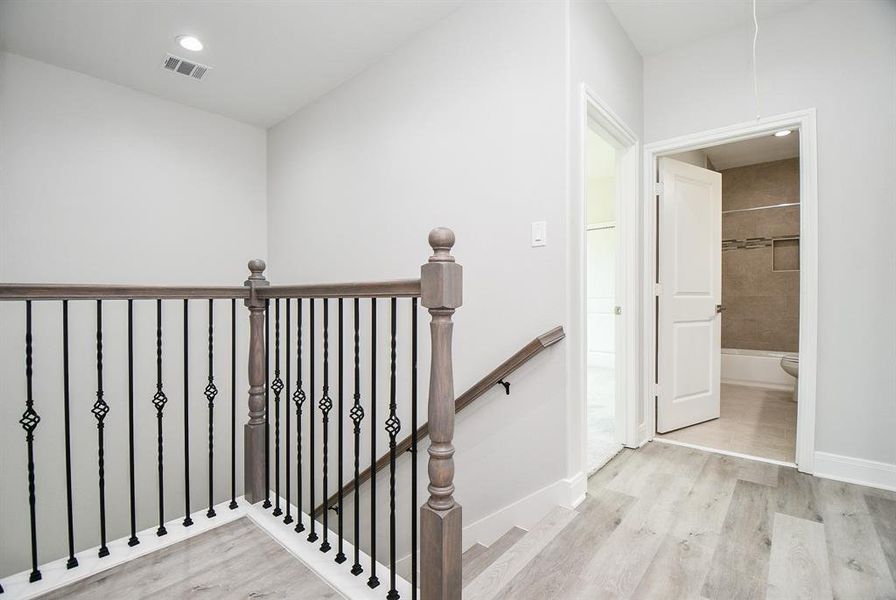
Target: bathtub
(756, 368)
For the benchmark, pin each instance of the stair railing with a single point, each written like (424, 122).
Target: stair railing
(439, 290)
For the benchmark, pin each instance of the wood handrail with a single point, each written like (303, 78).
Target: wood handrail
(404, 288)
(507, 367)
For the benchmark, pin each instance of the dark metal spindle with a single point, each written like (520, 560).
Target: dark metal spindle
(373, 580)
(72, 561)
(393, 426)
(312, 536)
(325, 405)
(133, 541)
(267, 405)
(277, 386)
(340, 555)
(29, 421)
(159, 400)
(357, 415)
(210, 392)
(414, 449)
(298, 398)
(187, 519)
(288, 518)
(100, 410)
(233, 503)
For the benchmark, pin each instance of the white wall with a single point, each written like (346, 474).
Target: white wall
(100, 183)
(838, 58)
(461, 127)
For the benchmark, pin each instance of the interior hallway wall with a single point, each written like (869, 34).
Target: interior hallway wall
(103, 184)
(838, 58)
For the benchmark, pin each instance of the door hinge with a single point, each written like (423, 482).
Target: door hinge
(657, 289)
(617, 310)
(658, 188)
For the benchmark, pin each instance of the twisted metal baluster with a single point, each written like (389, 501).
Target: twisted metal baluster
(288, 518)
(133, 541)
(210, 392)
(298, 398)
(277, 386)
(414, 503)
(312, 535)
(233, 503)
(393, 426)
(267, 405)
(325, 405)
(29, 422)
(159, 400)
(357, 415)
(373, 580)
(72, 561)
(100, 410)
(340, 555)
(188, 520)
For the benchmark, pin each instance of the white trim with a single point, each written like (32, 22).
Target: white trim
(860, 471)
(804, 121)
(56, 575)
(771, 461)
(527, 511)
(593, 110)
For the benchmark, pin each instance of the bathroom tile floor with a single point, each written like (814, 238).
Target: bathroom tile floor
(754, 421)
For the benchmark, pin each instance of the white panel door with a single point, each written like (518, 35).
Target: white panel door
(690, 270)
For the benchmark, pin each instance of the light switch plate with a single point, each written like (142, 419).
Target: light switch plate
(539, 233)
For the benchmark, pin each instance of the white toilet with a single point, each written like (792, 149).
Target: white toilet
(791, 365)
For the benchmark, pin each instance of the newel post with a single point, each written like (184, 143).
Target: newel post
(253, 431)
(440, 518)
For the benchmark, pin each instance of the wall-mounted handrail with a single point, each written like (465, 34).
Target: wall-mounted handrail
(519, 358)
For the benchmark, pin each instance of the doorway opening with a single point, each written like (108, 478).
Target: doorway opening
(735, 261)
(602, 270)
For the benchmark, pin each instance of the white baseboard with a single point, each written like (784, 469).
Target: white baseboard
(526, 512)
(860, 471)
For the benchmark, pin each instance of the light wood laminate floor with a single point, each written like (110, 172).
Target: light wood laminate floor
(753, 421)
(236, 560)
(669, 522)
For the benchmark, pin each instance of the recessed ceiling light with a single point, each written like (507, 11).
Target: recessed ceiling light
(781, 133)
(188, 42)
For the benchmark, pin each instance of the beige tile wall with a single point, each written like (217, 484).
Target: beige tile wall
(761, 305)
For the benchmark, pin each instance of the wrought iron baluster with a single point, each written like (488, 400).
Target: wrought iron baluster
(325, 405)
(267, 405)
(133, 541)
(100, 410)
(188, 520)
(159, 400)
(29, 422)
(298, 399)
(72, 561)
(357, 415)
(393, 426)
(373, 580)
(414, 502)
(210, 392)
(277, 386)
(312, 535)
(340, 555)
(288, 518)
(233, 503)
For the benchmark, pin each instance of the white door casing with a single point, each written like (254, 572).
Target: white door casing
(690, 275)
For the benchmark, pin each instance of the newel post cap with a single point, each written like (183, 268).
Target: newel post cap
(256, 270)
(441, 279)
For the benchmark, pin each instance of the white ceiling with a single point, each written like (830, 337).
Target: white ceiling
(753, 151)
(655, 26)
(270, 58)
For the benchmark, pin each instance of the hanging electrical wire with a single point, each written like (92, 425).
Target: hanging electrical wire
(755, 76)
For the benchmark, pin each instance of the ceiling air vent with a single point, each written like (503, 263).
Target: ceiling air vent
(182, 66)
